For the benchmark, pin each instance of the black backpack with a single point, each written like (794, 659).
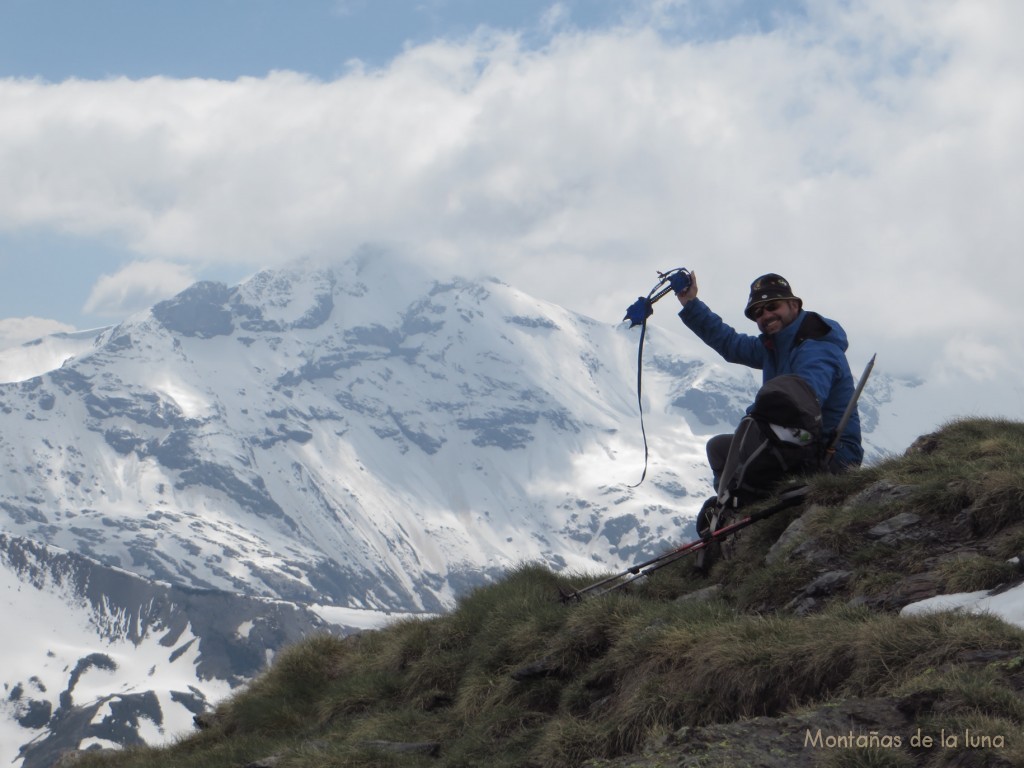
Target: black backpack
(780, 435)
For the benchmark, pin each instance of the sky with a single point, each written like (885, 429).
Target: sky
(868, 150)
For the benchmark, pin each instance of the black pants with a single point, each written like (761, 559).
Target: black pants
(718, 451)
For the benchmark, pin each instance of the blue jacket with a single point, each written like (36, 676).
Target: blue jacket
(812, 347)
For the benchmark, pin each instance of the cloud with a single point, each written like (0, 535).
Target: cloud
(18, 330)
(138, 286)
(866, 150)
(973, 358)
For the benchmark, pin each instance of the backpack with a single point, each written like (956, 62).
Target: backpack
(780, 435)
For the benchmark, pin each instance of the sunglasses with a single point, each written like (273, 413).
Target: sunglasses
(771, 306)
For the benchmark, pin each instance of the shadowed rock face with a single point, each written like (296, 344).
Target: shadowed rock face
(200, 310)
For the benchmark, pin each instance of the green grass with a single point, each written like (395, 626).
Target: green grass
(615, 673)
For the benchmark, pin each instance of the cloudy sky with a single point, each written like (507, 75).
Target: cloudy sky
(869, 150)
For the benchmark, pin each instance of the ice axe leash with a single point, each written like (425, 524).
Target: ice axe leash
(672, 281)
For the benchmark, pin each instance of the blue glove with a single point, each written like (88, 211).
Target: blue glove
(639, 311)
(679, 281)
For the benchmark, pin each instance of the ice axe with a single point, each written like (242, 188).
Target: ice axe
(830, 451)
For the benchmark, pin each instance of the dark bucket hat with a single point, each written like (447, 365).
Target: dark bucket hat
(766, 288)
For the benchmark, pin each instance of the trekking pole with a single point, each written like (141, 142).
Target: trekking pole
(848, 413)
(579, 594)
(788, 499)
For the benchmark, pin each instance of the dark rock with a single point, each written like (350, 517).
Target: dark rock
(200, 310)
(913, 589)
(894, 524)
(882, 492)
(205, 720)
(925, 444)
(812, 551)
(122, 440)
(804, 605)
(828, 583)
(808, 600)
(794, 531)
(532, 322)
(709, 408)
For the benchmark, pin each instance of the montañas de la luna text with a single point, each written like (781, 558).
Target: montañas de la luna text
(876, 740)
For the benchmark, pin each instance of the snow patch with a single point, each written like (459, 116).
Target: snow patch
(1008, 605)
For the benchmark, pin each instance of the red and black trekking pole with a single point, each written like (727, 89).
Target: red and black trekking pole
(787, 499)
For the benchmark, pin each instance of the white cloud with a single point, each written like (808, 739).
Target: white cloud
(975, 359)
(556, 17)
(136, 287)
(18, 330)
(869, 151)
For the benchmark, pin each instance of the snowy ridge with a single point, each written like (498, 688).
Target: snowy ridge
(41, 355)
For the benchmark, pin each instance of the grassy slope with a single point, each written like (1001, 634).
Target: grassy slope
(514, 677)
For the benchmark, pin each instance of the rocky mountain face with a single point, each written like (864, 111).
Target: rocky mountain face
(363, 436)
(96, 655)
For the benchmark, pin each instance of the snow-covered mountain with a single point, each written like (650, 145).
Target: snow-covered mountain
(363, 436)
(94, 655)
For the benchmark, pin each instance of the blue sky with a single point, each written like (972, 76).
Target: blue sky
(868, 149)
(227, 39)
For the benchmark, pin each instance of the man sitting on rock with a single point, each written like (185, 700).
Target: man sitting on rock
(805, 355)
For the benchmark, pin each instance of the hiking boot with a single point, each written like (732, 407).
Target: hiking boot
(708, 519)
(727, 546)
(704, 517)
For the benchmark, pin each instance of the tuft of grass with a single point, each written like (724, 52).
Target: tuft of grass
(831, 490)
(999, 503)
(970, 459)
(976, 573)
(287, 698)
